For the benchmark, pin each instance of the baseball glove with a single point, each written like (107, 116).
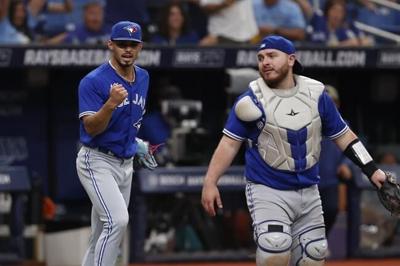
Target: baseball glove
(389, 194)
(144, 156)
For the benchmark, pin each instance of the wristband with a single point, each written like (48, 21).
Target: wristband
(359, 155)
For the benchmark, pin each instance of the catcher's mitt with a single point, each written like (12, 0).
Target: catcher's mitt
(389, 194)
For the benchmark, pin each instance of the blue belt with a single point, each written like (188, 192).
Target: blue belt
(106, 151)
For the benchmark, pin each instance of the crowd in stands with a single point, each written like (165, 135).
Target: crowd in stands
(200, 22)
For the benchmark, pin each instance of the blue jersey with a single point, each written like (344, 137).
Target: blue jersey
(319, 32)
(257, 170)
(94, 91)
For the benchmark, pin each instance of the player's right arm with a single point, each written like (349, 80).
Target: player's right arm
(220, 161)
(96, 123)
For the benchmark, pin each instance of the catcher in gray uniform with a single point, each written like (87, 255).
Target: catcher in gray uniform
(282, 117)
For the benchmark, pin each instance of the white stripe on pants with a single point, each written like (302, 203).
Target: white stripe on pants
(107, 181)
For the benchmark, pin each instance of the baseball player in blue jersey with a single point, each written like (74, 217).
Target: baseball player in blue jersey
(282, 117)
(112, 102)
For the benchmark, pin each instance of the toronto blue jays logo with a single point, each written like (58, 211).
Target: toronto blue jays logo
(138, 123)
(131, 29)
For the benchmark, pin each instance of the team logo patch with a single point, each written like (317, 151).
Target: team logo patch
(138, 123)
(131, 29)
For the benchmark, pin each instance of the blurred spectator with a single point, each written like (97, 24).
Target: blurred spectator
(333, 165)
(280, 17)
(379, 16)
(45, 17)
(198, 18)
(388, 158)
(8, 33)
(92, 31)
(229, 21)
(173, 27)
(331, 28)
(37, 6)
(131, 10)
(19, 18)
(307, 8)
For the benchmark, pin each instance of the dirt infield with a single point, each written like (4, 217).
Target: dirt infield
(370, 262)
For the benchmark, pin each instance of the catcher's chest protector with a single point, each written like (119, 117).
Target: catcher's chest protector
(290, 139)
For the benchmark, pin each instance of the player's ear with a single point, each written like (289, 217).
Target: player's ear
(110, 45)
(291, 60)
(140, 46)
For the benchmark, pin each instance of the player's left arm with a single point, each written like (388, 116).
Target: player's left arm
(336, 128)
(358, 154)
(386, 183)
(144, 156)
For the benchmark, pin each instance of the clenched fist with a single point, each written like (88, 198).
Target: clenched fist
(117, 94)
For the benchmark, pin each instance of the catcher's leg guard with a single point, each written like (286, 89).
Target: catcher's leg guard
(274, 242)
(310, 248)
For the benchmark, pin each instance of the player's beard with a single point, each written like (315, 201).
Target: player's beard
(125, 62)
(281, 76)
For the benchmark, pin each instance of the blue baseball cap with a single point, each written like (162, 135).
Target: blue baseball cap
(126, 31)
(282, 44)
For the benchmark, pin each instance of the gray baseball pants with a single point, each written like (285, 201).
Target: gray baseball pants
(107, 181)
